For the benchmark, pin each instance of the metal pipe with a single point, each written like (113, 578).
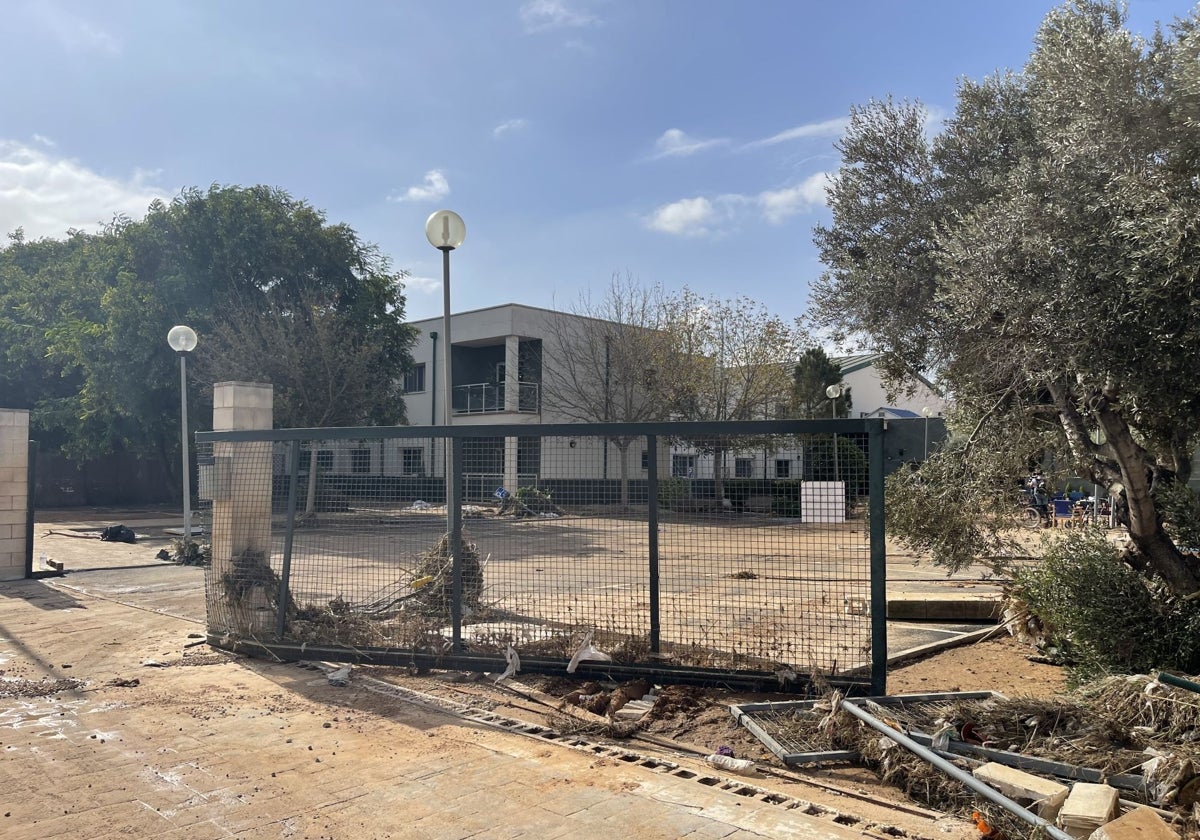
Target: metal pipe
(285, 574)
(985, 790)
(876, 510)
(1178, 682)
(652, 537)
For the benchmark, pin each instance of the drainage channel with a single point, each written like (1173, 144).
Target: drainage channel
(545, 734)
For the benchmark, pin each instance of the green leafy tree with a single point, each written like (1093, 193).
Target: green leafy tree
(1041, 253)
(814, 373)
(812, 377)
(89, 316)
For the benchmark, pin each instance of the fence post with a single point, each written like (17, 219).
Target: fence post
(285, 574)
(879, 655)
(652, 508)
(30, 504)
(454, 523)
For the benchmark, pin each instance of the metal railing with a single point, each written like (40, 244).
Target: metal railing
(489, 397)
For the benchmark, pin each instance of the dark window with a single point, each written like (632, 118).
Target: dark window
(360, 460)
(529, 456)
(783, 468)
(645, 459)
(412, 461)
(483, 456)
(743, 467)
(414, 380)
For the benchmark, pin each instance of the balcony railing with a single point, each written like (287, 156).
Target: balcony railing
(484, 397)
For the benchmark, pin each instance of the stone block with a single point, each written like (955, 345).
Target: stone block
(1087, 808)
(1046, 795)
(1139, 824)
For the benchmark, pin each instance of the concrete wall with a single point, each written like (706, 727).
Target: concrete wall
(14, 491)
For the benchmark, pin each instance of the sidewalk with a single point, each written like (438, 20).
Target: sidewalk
(209, 746)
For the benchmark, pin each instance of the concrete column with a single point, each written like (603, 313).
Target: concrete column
(14, 491)
(512, 373)
(510, 464)
(241, 508)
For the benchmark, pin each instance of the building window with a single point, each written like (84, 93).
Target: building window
(360, 460)
(414, 380)
(743, 467)
(412, 461)
(683, 466)
(324, 460)
(645, 459)
(783, 468)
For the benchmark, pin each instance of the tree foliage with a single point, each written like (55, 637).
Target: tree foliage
(1040, 253)
(725, 360)
(83, 321)
(812, 377)
(602, 364)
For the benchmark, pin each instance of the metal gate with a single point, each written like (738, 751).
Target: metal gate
(760, 564)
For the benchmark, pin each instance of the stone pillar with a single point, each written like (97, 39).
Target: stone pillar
(14, 492)
(241, 513)
(512, 403)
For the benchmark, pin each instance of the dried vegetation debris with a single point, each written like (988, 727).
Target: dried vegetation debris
(1129, 725)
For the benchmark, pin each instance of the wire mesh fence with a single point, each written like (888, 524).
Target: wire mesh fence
(712, 549)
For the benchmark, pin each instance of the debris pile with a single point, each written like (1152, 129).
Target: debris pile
(1071, 766)
(430, 591)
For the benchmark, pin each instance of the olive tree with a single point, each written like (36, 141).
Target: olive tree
(1040, 254)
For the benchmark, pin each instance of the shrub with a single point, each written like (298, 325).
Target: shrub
(672, 491)
(1105, 616)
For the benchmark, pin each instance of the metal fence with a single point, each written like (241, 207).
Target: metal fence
(735, 553)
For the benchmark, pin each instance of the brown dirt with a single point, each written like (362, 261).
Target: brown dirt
(1001, 664)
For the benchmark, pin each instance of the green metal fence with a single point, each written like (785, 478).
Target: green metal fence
(732, 553)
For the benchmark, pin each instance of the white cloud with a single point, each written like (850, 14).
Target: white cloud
(829, 128)
(676, 143)
(45, 141)
(509, 126)
(686, 217)
(778, 205)
(434, 186)
(47, 194)
(544, 15)
(701, 216)
(423, 285)
(75, 32)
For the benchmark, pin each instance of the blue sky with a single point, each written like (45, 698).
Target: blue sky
(683, 142)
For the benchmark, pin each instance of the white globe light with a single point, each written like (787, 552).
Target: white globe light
(182, 339)
(927, 411)
(445, 230)
(833, 391)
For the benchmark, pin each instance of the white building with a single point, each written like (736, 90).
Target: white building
(503, 356)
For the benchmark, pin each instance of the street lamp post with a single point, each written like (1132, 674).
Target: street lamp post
(445, 231)
(833, 392)
(182, 339)
(927, 412)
